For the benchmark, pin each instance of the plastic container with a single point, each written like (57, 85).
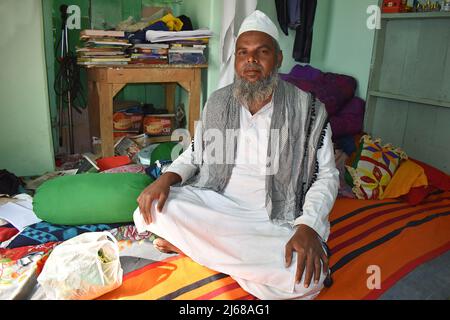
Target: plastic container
(113, 162)
(145, 154)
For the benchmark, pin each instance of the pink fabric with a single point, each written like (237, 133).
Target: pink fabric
(131, 168)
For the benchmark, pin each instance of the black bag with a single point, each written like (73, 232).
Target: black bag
(9, 183)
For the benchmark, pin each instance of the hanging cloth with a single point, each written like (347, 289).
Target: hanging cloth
(234, 12)
(294, 14)
(299, 14)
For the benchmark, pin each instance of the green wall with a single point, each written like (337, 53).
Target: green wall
(287, 42)
(52, 35)
(25, 135)
(95, 14)
(348, 43)
(203, 14)
(342, 42)
(206, 14)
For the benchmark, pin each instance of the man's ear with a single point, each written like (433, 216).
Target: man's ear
(280, 58)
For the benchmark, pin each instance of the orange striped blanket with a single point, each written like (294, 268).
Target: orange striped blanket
(385, 235)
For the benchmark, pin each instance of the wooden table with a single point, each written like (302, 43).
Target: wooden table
(104, 82)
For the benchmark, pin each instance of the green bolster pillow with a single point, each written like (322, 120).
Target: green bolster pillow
(164, 152)
(90, 198)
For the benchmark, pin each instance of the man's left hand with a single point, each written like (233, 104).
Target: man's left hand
(310, 252)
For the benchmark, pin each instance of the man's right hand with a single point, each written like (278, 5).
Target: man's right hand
(158, 190)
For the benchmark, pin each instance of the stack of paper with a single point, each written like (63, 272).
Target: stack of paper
(20, 213)
(169, 36)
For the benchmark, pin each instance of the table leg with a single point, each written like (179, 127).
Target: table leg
(170, 89)
(93, 110)
(105, 96)
(194, 100)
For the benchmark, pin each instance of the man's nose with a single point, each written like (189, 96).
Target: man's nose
(251, 58)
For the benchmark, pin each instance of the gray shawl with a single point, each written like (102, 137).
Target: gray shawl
(299, 119)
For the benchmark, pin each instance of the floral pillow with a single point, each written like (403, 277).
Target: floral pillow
(374, 168)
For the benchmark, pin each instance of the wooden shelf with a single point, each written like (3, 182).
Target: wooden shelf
(416, 15)
(158, 139)
(146, 66)
(400, 97)
(408, 102)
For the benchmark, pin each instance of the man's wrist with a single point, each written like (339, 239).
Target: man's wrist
(170, 178)
(301, 227)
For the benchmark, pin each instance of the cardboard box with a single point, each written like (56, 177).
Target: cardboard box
(127, 121)
(394, 6)
(159, 124)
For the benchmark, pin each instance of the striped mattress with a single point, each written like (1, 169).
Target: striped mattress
(370, 240)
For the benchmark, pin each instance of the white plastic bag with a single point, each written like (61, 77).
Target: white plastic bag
(82, 268)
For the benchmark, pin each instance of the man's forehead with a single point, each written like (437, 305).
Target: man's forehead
(255, 37)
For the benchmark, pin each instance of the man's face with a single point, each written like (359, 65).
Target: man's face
(256, 56)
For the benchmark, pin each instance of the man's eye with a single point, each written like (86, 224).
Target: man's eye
(241, 53)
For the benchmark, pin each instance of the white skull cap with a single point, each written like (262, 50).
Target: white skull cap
(259, 21)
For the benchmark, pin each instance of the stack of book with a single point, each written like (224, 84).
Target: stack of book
(150, 53)
(103, 48)
(186, 47)
(188, 51)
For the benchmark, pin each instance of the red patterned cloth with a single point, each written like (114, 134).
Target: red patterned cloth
(19, 253)
(7, 231)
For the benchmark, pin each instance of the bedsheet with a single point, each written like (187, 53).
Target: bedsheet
(375, 245)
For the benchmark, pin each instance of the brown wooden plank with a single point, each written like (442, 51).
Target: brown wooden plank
(194, 101)
(105, 91)
(117, 87)
(94, 116)
(148, 75)
(186, 85)
(96, 74)
(106, 82)
(170, 89)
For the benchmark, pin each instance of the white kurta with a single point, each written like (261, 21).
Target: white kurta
(231, 232)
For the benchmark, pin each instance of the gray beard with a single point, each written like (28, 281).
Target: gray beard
(251, 93)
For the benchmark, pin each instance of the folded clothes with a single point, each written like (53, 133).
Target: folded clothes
(333, 89)
(349, 120)
(139, 36)
(337, 92)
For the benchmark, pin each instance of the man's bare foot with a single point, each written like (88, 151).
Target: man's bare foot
(165, 246)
